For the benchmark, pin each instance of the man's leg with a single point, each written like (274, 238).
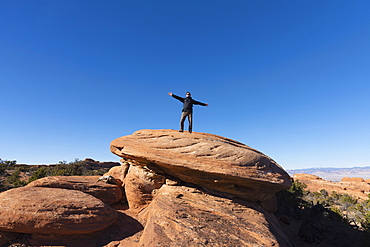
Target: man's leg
(190, 118)
(182, 120)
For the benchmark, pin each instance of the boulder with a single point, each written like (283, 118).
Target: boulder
(53, 211)
(108, 193)
(183, 216)
(140, 186)
(213, 162)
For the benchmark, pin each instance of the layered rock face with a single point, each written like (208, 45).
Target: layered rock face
(213, 162)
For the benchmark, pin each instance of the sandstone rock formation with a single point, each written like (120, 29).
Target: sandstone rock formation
(213, 162)
(108, 193)
(352, 180)
(183, 216)
(139, 186)
(53, 211)
(179, 189)
(356, 187)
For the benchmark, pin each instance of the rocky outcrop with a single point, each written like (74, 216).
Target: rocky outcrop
(352, 180)
(179, 189)
(183, 216)
(53, 211)
(119, 172)
(356, 187)
(139, 186)
(108, 193)
(213, 162)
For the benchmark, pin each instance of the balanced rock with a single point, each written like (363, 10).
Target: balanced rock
(213, 162)
(108, 193)
(53, 211)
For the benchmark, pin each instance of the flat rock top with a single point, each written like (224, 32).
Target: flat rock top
(71, 182)
(53, 211)
(108, 193)
(200, 151)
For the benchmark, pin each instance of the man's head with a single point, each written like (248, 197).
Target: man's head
(188, 94)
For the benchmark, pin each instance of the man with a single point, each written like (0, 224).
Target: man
(187, 109)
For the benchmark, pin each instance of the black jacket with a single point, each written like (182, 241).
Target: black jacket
(188, 103)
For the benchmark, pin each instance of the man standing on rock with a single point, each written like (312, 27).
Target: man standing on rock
(187, 109)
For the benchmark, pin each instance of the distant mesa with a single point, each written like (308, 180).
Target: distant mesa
(353, 180)
(354, 186)
(88, 162)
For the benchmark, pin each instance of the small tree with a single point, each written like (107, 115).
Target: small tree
(290, 201)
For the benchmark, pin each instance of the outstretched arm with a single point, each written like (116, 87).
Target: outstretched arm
(176, 97)
(199, 103)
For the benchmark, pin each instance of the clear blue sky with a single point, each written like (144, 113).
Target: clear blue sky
(289, 78)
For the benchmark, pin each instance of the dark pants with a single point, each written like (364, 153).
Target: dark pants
(190, 119)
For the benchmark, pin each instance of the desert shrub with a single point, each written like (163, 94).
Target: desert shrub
(11, 174)
(6, 165)
(74, 168)
(39, 173)
(290, 201)
(14, 179)
(336, 211)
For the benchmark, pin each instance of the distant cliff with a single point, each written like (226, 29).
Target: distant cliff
(334, 174)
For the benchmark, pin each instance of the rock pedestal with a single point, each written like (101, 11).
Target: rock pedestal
(213, 162)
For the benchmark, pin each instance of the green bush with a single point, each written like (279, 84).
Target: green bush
(6, 165)
(10, 173)
(14, 179)
(40, 173)
(343, 207)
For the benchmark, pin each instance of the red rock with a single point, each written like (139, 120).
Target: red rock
(139, 186)
(353, 180)
(118, 172)
(53, 211)
(108, 193)
(213, 162)
(355, 187)
(182, 216)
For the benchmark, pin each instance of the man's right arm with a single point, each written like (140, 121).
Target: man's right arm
(176, 97)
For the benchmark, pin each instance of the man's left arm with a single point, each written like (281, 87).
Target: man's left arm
(199, 103)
